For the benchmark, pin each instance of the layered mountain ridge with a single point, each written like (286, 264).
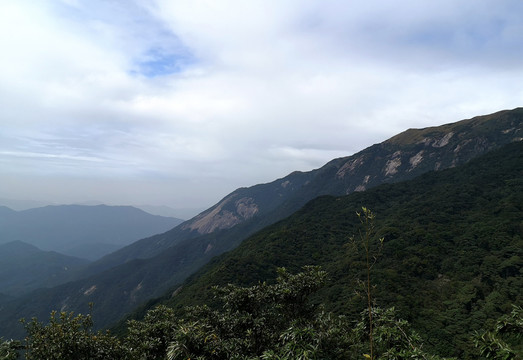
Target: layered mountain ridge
(450, 262)
(24, 267)
(402, 157)
(80, 230)
(126, 278)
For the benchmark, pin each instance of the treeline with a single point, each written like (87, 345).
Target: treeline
(450, 265)
(451, 261)
(264, 321)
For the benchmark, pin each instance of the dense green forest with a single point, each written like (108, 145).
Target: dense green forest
(445, 272)
(264, 321)
(148, 268)
(451, 261)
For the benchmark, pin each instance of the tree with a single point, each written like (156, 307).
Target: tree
(267, 321)
(9, 349)
(278, 322)
(504, 341)
(69, 337)
(263, 321)
(372, 249)
(150, 337)
(393, 337)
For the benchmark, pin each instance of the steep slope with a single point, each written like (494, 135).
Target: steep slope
(24, 267)
(452, 259)
(136, 273)
(240, 206)
(6, 212)
(81, 230)
(402, 157)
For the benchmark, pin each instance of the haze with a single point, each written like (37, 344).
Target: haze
(180, 102)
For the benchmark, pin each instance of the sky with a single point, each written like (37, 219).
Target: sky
(178, 103)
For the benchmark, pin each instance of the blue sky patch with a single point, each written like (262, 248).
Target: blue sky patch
(157, 62)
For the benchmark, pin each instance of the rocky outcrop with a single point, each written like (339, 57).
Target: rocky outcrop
(416, 151)
(224, 215)
(402, 157)
(150, 266)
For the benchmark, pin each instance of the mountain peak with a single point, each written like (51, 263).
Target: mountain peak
(506, 122)
(17, 246)
(401, 157)
(154, 264)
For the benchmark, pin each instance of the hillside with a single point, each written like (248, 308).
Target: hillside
(452, 257)
(24, 268)
(79, 230)
(402, 157)
(121, 281)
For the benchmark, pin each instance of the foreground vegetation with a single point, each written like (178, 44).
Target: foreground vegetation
(451, 261)
(265, 321)
(443, 257)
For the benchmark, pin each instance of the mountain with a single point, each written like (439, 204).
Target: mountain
(402, 157)
(247, 210)
(120, 281)
(79, 230)
(452, 256)
(184, 213)
(22, 204)
(24, 267)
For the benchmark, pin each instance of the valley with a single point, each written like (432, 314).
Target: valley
(448, 204)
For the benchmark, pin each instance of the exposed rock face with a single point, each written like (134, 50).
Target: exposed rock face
(415, 151)
(402, 157)
(90, 290)
(362, 186)
(223, 215)
(213, 219)
(165, 260)
(391, 167)
(208, 248)
(443, 141)
(416, 159)
(349, 166)
(246, 208)
(134, 295)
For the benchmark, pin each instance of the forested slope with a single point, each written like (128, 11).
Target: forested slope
(452, 256)
(121, 281)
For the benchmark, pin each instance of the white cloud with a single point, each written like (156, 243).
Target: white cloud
(156, 94)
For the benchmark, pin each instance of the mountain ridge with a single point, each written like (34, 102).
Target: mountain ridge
(451, 258)
(152, 265)
(350, 173)
(24, 267)
(64, 228)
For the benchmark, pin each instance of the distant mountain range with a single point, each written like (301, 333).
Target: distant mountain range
(402, 157)
(183, 213)
(80, 230)
(122, 280)
(161, 210)
(24, 267)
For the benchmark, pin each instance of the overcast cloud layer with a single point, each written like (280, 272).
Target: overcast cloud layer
(180, 102)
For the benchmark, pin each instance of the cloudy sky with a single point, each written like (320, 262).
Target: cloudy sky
(178, 103)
